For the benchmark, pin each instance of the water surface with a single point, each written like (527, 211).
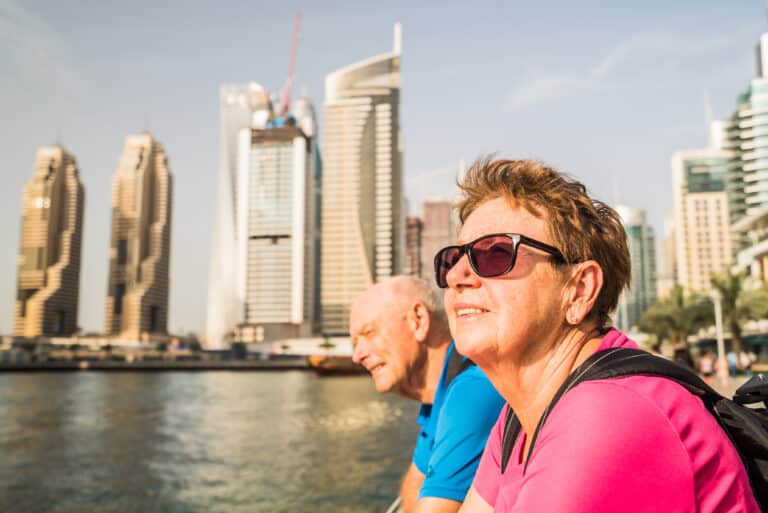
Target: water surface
(199, 442)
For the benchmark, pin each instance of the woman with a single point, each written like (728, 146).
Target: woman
(529, 291)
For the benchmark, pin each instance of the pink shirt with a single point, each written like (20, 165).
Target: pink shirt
(629, 445)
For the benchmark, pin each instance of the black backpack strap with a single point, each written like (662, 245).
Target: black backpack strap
(456, 365)
(612, 363)
(512, 429)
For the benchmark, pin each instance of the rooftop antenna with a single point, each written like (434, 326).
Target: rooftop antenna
(397, 46)
(291, 65)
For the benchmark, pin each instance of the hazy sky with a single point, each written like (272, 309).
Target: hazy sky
(604, 90)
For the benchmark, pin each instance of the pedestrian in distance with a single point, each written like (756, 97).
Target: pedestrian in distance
(707, 366)
(539, 267)
(400, 334)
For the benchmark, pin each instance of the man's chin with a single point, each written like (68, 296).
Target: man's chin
(382, 386)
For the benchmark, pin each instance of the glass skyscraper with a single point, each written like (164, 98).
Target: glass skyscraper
(642, 289)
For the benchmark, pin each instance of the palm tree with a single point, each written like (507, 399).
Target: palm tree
(676, 317)
(739, 304)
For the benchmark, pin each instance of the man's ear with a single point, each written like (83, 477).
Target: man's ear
(585, 286)
(418, 321)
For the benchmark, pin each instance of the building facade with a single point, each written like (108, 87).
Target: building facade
(362, 207)
(264, 276)
(139, 254)
(702, 214)
(48, 283)
(642, 289)
(413, 231)
(439, 231)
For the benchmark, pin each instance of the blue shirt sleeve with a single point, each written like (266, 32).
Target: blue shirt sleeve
(470, 409)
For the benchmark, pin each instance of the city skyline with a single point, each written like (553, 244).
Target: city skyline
(532, 102)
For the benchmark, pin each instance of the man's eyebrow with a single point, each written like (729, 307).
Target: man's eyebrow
(368, 326)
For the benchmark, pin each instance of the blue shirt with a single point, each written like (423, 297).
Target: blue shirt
(454, 429)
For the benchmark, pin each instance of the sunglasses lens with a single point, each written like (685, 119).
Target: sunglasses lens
(493, 255)
(445, 259)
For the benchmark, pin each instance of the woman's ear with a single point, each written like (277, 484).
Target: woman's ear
(418, 321)
(585, 286)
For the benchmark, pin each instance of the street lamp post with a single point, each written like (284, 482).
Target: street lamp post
(722, 362)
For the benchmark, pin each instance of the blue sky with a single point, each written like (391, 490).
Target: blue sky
(606, 91)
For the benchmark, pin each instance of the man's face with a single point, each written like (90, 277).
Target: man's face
(382, 340)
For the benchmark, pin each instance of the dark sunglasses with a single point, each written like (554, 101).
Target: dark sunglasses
(490, 255)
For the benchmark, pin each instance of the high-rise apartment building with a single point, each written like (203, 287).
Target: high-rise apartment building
(747, 137)
(642, 289)
(362, 217)
(264, 277)
(139, 255)
(702, 220)
(413, 232)
(49, 250)
(439, 231)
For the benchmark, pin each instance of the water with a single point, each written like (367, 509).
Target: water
(200, 442)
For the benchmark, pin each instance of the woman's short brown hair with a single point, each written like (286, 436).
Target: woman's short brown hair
(581, 227)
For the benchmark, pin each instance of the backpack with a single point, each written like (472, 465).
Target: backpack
(747, 427)
(456, 365)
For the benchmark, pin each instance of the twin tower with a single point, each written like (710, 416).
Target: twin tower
(51, 238)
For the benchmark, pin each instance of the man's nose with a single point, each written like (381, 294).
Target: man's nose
(357, 352)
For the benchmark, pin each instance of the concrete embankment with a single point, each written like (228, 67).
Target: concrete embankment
(155, 365)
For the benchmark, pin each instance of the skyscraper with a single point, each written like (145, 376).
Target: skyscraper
(439, 231)
(362, 218)
(263, 276)
(642, 289)
(413, 231)
(49, 253)
(137, 294)
(702, 221)
(666, 276)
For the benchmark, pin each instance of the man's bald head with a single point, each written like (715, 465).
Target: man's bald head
(397, 294)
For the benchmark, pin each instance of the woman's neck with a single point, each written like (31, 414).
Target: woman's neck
(529, 382)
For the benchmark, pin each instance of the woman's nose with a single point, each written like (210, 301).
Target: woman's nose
(461, 274)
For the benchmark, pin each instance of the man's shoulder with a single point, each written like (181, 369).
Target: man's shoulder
(472, 388)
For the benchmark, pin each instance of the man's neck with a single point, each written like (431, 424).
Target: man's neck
(424, 392)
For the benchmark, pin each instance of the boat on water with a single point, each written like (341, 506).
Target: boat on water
(326, 365)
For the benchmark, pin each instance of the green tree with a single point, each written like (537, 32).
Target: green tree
(674, 318)
(739, 304)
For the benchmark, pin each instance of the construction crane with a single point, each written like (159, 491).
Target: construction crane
(291, 66)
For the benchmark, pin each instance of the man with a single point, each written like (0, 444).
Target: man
(400, 333)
